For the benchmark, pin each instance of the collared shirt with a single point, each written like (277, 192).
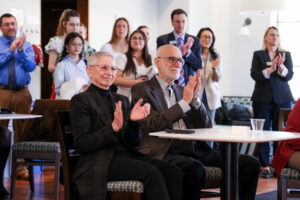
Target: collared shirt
(176, 36)
(24, 62)
(68, 69)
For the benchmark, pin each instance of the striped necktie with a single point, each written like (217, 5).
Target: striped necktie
(181, 79)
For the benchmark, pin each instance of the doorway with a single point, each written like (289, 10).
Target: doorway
(51, 11)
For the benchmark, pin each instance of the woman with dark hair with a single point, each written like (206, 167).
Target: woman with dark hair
(118, 44)
(146, 30)
(71, 67)
(272, 68)
(138, 66)
(211, 72)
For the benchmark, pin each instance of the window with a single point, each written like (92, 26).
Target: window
(289, 29)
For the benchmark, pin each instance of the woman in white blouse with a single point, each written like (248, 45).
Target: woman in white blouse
(211, 72)
(118, 44)
(138, 66)
(70, 76)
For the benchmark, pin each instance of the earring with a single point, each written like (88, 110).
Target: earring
(67, 51)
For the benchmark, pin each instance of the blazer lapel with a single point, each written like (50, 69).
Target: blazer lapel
(157, 94)
(171, 39)
(178, 92)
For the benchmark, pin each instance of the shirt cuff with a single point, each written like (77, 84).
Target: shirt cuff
(184, 106)
(196, 104)
(265, 73)
(284, 72)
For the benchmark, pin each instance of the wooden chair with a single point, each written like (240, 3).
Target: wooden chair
(289, 181)
(283, 117)
(35, 153)
(117, 190)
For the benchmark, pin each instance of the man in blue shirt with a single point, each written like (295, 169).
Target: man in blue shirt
(16, 61)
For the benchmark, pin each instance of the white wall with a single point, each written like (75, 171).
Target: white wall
(28, 16)
(102, 15)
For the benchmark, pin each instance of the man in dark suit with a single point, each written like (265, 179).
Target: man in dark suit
(172, 106)
(189, 45)
(105, 131)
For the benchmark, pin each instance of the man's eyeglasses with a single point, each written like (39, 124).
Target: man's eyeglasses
(7, 24)
(105, 68)
(173, 60)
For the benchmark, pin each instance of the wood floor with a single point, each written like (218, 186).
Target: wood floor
(44, 187)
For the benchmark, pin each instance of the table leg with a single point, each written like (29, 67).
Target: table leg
(235, 171)
(230, 181)
(226, 178)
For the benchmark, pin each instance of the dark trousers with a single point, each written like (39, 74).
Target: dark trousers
(5, 139)
(248, 172)
(194, 176)
(269, 112)
(161, 179)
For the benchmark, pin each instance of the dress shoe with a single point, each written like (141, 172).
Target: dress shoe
(265, 173)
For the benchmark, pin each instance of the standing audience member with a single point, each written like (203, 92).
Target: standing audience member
(106, 132)
(146, 30)
(211, 72)
(118, 44)
(69, 22)
(138, 67)
(288, 152)
(88, 50)
(16, 61)
(189, 45)
(272, 68)
(177, 107)
(70, 71)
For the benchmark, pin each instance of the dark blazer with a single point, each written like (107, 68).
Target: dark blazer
(274, 89)
(96, 141)
(193, 62)
(161, 117)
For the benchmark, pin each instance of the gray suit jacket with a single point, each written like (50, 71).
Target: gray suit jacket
(193, 62)
(96, 141)
(161, 117)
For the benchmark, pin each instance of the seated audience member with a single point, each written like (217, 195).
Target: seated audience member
(288, 152)
(138, 66)
(106, 132)
(88, 50)
(70, 71)
(174, 106)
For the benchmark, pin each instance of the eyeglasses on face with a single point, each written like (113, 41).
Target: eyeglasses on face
(137, 38)
(173, 60)
(8, 24)
(104, 68)
(206, 37)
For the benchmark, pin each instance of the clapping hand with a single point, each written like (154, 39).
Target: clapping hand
(281, 59)
(215, 63)
(22, 39)
(139, 112)
(186, 49)
(118, 117)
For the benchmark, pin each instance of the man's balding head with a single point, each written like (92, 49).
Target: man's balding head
(166, 62)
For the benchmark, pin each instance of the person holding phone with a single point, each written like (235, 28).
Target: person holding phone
(272, 68)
